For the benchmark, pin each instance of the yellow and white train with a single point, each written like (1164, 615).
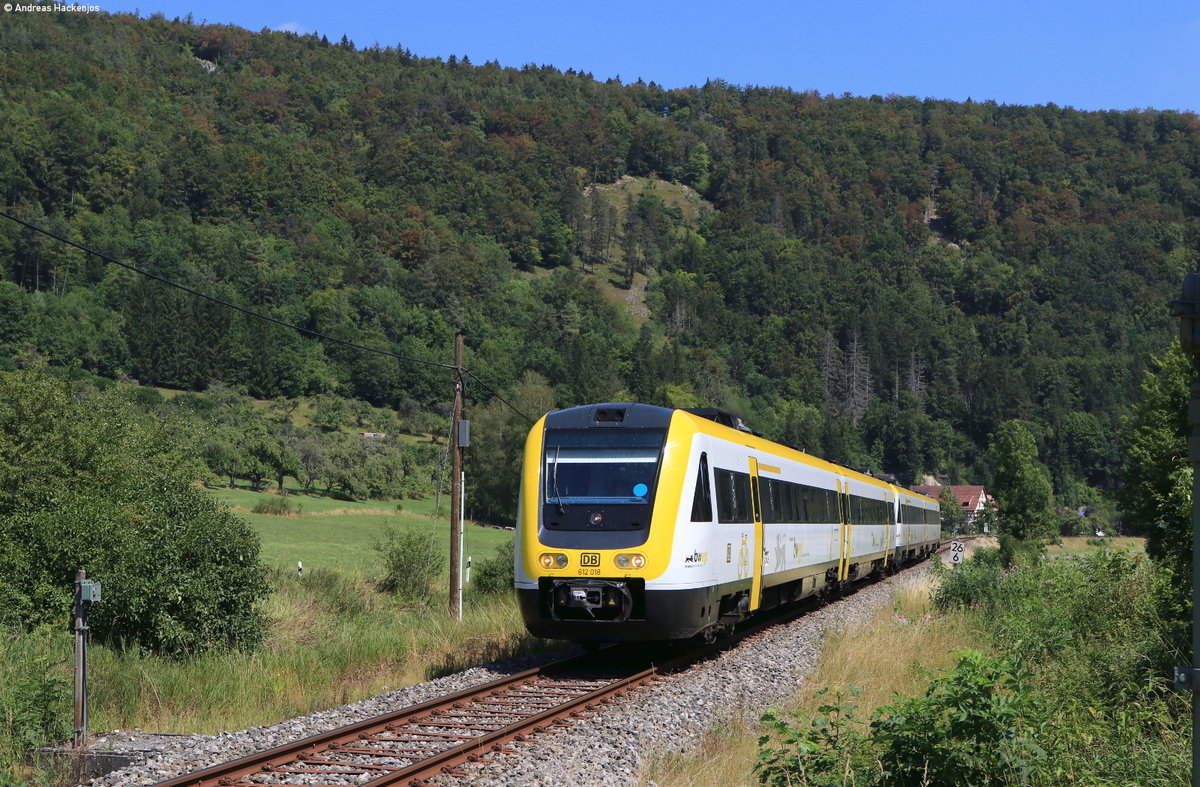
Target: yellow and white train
(646, 523)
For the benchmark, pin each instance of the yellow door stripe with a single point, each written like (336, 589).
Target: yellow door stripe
(757, 554)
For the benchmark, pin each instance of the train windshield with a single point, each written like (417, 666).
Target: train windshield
(601, 465)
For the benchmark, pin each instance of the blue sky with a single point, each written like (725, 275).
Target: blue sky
(1089, 55)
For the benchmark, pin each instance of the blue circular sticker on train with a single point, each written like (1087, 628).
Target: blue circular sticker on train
(640, 490)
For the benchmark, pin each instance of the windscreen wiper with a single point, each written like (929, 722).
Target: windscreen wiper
(554, 481)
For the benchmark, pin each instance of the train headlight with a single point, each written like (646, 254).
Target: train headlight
(553, 560)
(630, 561)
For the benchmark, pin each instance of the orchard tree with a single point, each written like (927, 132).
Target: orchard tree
(1021, 482)
(332, 413)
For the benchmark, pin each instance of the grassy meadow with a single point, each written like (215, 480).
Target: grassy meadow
(334, 638)
(1078, 545)
(323, 532)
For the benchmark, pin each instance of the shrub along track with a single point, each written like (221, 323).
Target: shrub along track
(416, 743)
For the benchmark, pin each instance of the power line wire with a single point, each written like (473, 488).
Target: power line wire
(259, 315)
(214, 299)
(475, 377)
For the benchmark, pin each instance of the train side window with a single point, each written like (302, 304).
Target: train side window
(814, 505)
(702, 500)
(774, 500)
(794, 506)
(733, 496)
(817, 506)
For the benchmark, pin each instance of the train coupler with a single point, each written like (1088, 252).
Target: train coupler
(590, 599)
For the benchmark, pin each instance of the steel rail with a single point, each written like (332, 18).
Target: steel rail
(469, 751)
(286, 753)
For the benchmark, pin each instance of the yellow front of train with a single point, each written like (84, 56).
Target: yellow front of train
(600, 496)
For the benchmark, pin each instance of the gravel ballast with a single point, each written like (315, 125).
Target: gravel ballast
(609, 748)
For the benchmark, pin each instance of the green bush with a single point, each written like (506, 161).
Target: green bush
(146, 398)
(820, 752)
(495, 574)
(87, 482)
(275, 506)
(410, 563)
(1016, 551)
(1099, 634)
(975, 725)
(972, 585)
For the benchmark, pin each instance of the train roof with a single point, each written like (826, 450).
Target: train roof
(707, 420)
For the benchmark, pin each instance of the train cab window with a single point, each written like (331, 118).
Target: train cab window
(601, 466)
(702, 500)
(733, 496)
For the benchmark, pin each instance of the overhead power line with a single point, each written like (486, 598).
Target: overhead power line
(251, 312)
(222, 302)
(260, 315)
(474, 377)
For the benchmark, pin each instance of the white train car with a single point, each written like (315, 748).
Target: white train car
(646, 523)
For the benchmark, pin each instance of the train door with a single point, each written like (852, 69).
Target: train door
(757, 550)
(890, 527)
(843, 496)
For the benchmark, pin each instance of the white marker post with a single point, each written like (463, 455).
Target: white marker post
(958, 552)
(462, 503)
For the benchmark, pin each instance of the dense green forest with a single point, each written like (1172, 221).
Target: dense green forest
(880, 280)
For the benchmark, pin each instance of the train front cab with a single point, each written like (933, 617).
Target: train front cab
(600, 493)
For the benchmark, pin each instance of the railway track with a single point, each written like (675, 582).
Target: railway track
(413, 744)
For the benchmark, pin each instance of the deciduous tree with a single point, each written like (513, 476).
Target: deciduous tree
(1156, 498)
(1021, 483)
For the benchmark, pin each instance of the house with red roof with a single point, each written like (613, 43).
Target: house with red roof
(972, 498)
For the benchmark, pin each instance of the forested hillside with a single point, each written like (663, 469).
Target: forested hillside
(878, 280)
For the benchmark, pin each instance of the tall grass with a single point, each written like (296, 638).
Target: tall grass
(1075, 693)
(333, 640)
(34, 703)
(895, 652)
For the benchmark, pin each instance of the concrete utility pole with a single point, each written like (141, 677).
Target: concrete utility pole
(456, 503)
(80, 629)
(1187, 309)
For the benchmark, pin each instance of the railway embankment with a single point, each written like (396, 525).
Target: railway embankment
(609, 747)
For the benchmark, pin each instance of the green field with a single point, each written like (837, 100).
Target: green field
(1078, 545)
(326, 533)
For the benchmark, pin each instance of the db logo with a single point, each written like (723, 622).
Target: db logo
(589, 559)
